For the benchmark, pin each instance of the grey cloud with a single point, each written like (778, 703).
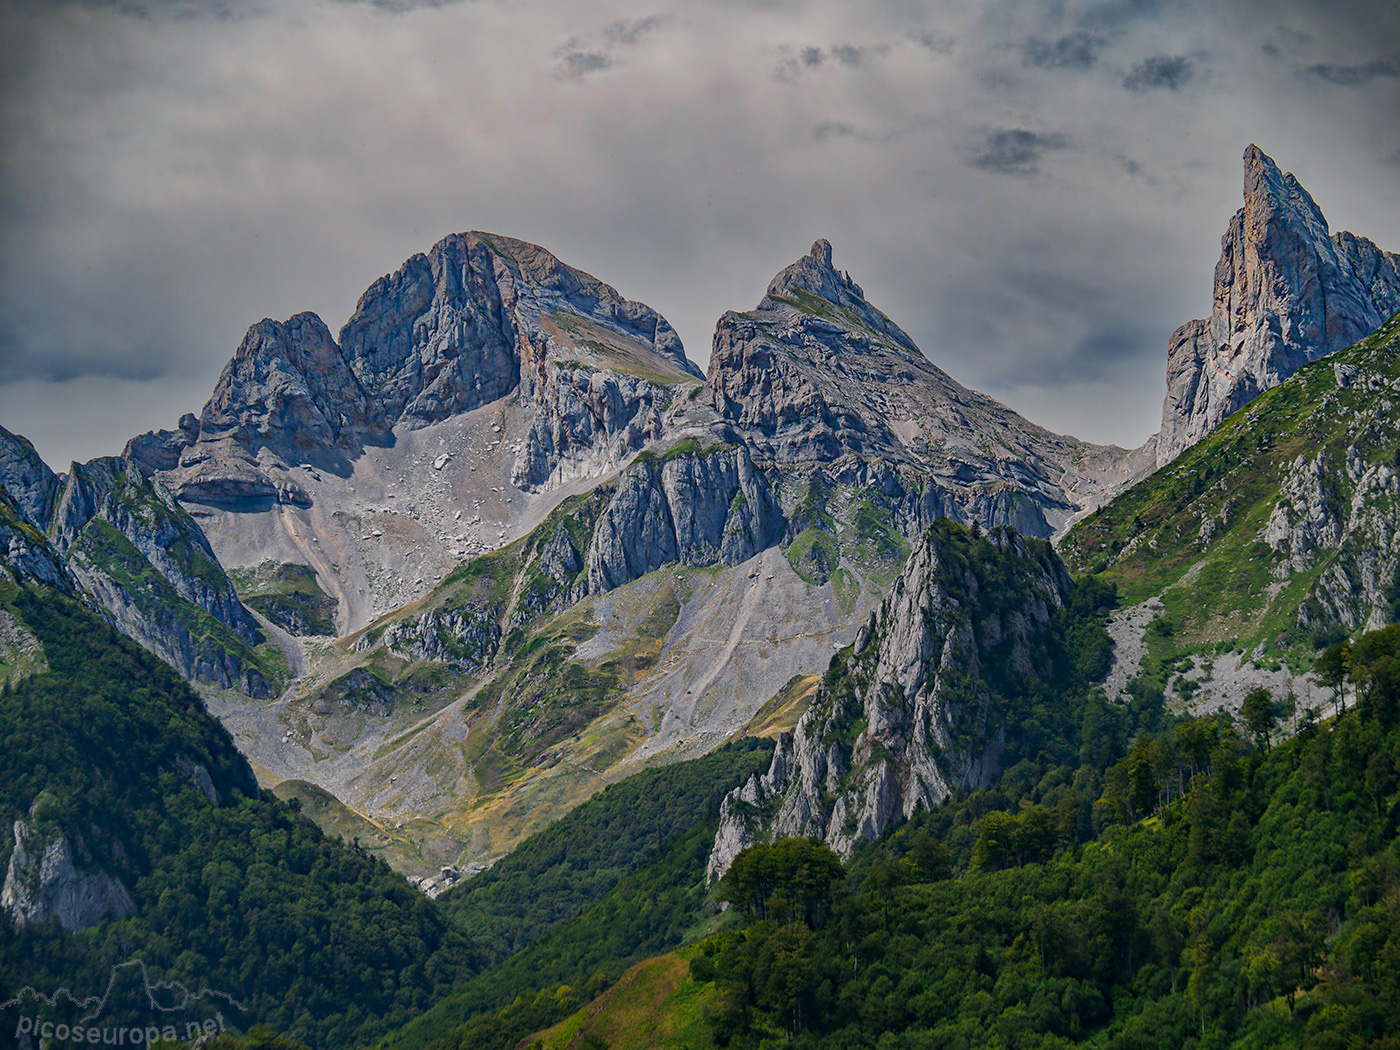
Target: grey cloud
(1016, 151)
(937, 43)
(792, 66)
(29, 349)
(1118, 15)
(157, 10)
(573, 65)
(628, 33)
(1355, 76)
(838, 129)
(1107, 351)
(1172, 72)
(399, 7)
(848, 54)
(577, 59)
(1075, 51)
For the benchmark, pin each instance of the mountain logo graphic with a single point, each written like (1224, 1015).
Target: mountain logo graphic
(134, 1009)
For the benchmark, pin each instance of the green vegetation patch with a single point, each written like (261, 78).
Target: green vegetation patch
(814, 555)
(246, 897)
(287, 594)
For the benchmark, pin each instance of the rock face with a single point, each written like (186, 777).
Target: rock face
(916, 710)
(477, 318)
(27, 478)
(816, 374)
(26, 553)
(107, 528)
(43, 882)
(699, 508)
(1286, 293)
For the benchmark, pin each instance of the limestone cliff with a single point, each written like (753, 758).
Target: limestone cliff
(1286, 293)
(698, 508)
(51, 876)
(918, 708)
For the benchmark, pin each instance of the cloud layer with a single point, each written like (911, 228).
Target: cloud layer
(1034, 190)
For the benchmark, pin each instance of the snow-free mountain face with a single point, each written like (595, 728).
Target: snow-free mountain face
(127, 543)
(816, 374)
(468, 392)
(1286, 293)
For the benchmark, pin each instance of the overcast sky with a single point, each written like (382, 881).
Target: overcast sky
(1034, 189)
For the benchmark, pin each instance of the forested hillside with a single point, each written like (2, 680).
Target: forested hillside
(110, 759)
(1223, 891)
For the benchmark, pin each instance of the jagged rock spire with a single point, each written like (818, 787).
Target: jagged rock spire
(1286, 292)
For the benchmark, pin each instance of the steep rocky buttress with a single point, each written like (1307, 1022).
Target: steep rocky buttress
(919, 707)
(108, 528)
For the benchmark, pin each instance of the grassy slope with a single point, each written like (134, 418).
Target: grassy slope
(1230, 591)
(570, 865)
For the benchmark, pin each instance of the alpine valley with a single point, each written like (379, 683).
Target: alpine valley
(484, 675)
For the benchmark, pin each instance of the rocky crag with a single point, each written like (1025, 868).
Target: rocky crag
(108, 530)
(52, 876)
(918, 707)
(1286, 292)
(483, 368)
(817, 375)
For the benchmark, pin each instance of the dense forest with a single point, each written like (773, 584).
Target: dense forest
(1236, 893)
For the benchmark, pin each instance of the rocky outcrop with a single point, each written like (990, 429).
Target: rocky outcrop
(28, 479)
(477, 318)
(155, 524)
(50, 877)
(1286, 293)
(816, 374)
(699, 508)
(467, 638)
(26, 552)
(916, 710)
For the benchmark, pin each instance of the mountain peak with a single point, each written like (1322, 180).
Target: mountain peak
(1287, 292)
(815, 274)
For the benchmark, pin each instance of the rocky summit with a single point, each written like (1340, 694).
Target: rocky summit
(1286, 292)
(817, 374)
(483, 368)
